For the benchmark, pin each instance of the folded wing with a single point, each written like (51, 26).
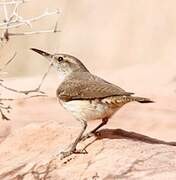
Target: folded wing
(88, 87)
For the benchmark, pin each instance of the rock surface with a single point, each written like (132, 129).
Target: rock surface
(40, 129)
(33, 152)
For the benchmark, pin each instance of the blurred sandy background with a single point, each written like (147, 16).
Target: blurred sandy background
(130, 43)
(105, 34)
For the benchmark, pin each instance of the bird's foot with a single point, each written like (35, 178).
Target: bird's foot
(89, 135)
(65, 154)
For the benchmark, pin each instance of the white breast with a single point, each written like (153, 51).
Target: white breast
(87, 109)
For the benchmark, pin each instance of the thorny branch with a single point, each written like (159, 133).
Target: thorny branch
(2, 105)
(13, 20)
(8, 62)
(12, 2)
(26, 92)
(4, 117)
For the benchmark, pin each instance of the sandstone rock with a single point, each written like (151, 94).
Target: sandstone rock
(33, 153)
(40, 129)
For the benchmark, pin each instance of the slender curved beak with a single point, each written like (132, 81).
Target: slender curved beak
(43, 53)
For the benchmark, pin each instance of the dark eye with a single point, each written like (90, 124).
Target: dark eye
(60, 58)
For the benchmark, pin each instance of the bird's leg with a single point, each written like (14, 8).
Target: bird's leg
(74, 144)
(94, 131)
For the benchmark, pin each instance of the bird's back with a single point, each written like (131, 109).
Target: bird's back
(84, 85)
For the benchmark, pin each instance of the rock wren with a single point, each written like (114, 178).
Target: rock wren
(86, 96)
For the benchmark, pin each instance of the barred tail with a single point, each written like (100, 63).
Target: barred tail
(141, 99)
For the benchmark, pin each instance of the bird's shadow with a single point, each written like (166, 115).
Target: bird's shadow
(123, 134)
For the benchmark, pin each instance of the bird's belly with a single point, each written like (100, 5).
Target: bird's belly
(88, 109)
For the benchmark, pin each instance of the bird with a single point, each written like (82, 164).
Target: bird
(85, 95)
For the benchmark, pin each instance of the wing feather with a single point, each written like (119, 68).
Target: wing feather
(88, 86)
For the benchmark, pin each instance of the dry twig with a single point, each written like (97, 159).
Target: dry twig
(13, 20)
(3, 116)
(8, 62)
(26, 92)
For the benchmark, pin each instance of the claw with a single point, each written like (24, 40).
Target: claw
(81, 151)
(65, 154)
(71, 151)
(89, 135)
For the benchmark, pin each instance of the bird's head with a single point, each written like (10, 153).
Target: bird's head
(64, 64)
